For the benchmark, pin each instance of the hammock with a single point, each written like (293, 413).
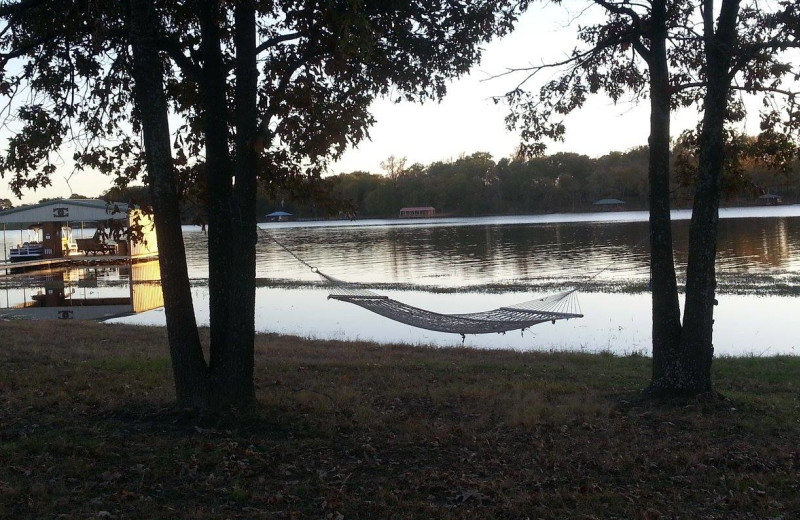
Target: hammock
(560, 306)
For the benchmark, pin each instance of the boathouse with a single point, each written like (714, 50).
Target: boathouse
(609, 204)
(770, 199)
(279, 216)
(68, 228)
(417, 212)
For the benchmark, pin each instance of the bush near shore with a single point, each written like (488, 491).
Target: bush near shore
(359, 430)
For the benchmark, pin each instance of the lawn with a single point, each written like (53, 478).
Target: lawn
(358, 430)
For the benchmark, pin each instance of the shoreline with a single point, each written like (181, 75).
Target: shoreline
(782, 283)
(455, 345)
(637, 215)
(633, 215)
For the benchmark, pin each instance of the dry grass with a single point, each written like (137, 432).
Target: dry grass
(356, 430)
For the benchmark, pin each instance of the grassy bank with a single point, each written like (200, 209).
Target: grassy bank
(349, 430)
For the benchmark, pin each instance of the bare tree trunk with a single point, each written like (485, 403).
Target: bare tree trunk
(697, 349)
(243, 267)
(666, 309)
(188, 365)
(231, 216)
(219, 182)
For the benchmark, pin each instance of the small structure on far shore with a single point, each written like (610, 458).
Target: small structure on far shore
(279, 216)
(609, 204)
(418, 212)
(770, 199)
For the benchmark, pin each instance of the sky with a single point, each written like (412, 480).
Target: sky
(466, 120)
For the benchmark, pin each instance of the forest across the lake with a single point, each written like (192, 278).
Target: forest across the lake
(476, 185)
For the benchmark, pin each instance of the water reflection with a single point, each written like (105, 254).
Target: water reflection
(472, 252)
(755, 246)
(83, 293)
(460, 256)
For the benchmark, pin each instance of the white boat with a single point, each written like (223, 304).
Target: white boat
(27, 251)
(34, 248)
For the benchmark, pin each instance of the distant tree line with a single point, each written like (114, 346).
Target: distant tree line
(476, 185)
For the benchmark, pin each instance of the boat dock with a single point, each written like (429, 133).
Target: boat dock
(113, 226)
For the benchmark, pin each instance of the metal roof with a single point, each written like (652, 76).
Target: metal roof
(65, 210)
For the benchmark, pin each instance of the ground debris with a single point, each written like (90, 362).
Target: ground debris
(401, 432)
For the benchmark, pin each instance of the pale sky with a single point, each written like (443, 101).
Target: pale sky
(466, 121)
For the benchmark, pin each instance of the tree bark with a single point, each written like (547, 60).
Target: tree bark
(188, 364)
(664, 286)
(231, 247)
(697, 350)
(218, 170)
(242, 281)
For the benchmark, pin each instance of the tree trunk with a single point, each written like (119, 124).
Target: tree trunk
(243, 268)
(188, 365)
(231, 251)
(664, 287)
(697, 349)
(218, 176)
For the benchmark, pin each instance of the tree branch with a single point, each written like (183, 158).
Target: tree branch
(9, 10)
(575, 61)
(771, 90)
(284, 82)
(173, 49)
(621, 10)
(266, 44)
(24, 49)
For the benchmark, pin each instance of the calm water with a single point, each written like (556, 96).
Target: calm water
(465, 265)
(525, 251)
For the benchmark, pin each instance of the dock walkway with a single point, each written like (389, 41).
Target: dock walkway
(73, 260)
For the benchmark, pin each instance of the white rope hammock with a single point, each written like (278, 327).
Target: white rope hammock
(560, 306)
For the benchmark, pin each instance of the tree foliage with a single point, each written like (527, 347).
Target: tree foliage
(476, 184)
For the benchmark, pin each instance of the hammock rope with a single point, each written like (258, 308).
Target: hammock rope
(560, 306)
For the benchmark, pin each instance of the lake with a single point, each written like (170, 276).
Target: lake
(475, 264)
